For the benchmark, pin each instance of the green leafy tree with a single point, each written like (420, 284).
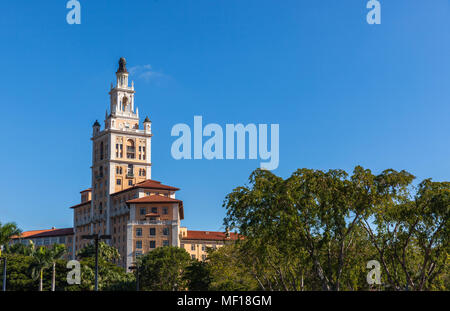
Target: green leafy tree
(19, 273)
(20, 248)
(105, 252)
(110, 276)
(164, 269)
(229, 270)
(317, 230)
(198, 275)
(411, 236)
(7, 231)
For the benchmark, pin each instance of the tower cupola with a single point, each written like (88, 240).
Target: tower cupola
(122, 74)
(96, 127)
(147, 125)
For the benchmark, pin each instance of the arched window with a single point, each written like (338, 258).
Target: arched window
(130, 149)
(126, 106)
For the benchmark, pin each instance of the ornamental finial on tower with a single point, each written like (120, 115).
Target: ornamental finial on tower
(122, 65)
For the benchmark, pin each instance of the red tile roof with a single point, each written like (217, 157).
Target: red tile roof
(27, 234)
(209, 235)
(158, 199)
(153, 199)
(146, 184)
(149, 184)
(81, 204)
(154, 184)
(45, 233)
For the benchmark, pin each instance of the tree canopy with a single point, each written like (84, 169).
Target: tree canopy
(317, 230)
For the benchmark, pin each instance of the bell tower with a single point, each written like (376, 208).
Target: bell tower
(121, 153)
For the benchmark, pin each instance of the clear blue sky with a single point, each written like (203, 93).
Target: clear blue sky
(345, 93)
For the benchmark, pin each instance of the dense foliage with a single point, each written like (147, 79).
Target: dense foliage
(164, 269)
(317, 230)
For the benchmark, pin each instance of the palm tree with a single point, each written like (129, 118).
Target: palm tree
(41, 261)
(6, 232)
(56, 253)
(20, 248)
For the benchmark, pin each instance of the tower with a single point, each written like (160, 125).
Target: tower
(121, 152)
(140, 214)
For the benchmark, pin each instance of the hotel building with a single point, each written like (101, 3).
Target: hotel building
(139, 213)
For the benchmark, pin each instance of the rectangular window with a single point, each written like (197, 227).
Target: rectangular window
(165, 242)
(152, 231)
(154, 210)
(152, 244)
(142, 211)
(193, 247)
(193, 256)
(165, 211)
(130, 183)
(138, 254)
(118, 181)
(165, 231)
(203, 247)
(138, 231)
(138, 244)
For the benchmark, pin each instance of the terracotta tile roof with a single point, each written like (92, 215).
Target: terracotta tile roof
(153, 199)
(158, 199)
(148, 184)
(81, 204)
(209, 235)
(27, 234)
(154, 184)
(45, 233)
